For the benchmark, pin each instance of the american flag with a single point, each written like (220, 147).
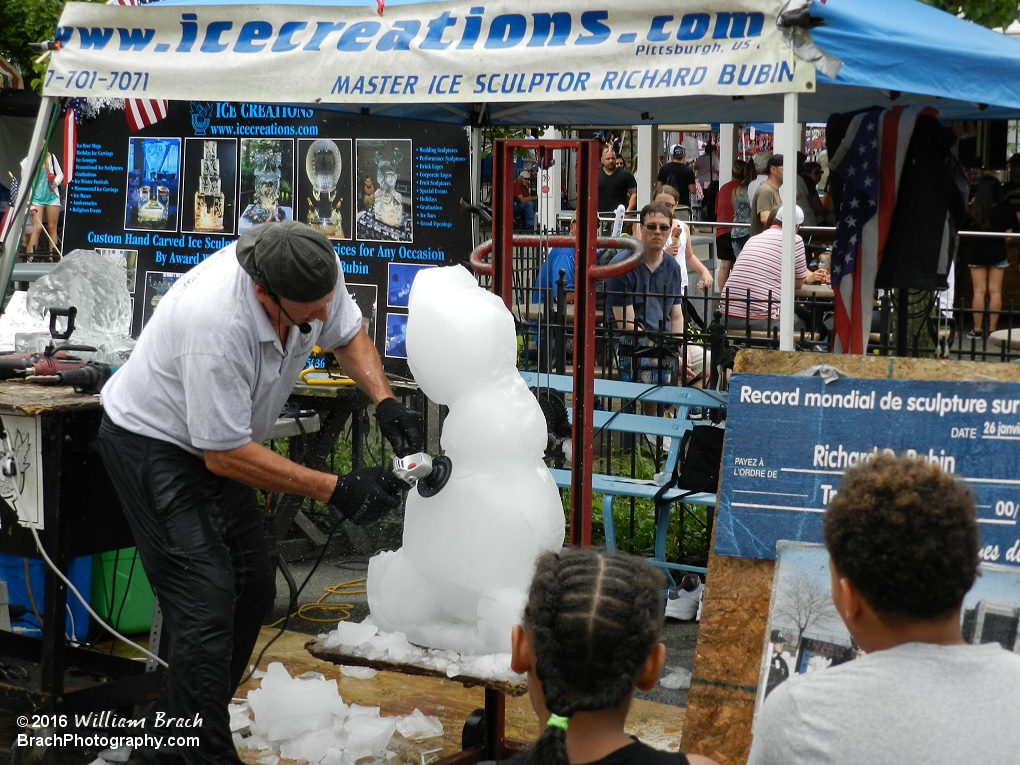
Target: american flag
(8, 219)
(870, 159)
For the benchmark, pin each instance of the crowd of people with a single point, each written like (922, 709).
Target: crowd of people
(647, 305)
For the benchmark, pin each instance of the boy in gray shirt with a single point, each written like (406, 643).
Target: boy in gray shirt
(903, 545)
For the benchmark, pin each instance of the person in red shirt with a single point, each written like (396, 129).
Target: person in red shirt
(724, 214)
(524, 200)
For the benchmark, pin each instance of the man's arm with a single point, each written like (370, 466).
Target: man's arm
(632, 198)
(255, 465)
(624, 316)
(261, 468)
(676, 319)
(360, 361)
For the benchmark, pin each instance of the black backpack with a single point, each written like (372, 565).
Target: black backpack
(698, 464)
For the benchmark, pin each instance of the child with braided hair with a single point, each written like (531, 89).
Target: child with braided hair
(590, 637)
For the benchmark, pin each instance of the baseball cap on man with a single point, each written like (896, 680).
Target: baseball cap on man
(761, 162)
(677, 151)
(525, 175)
(799, 217)
(291, 260)
(776, 160)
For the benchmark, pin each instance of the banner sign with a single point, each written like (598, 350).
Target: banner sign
(429, 53)
(385, 192)
(789, 439)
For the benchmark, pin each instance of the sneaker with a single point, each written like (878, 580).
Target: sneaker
(975, 334)
(682, 607)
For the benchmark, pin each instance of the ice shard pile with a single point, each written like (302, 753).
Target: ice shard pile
(460, 579)
(305, 719)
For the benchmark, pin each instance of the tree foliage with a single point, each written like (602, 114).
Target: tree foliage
(987, 13)
(27, 21)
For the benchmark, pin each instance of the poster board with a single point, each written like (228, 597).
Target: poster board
(727, 665)
(385, 192)
(804, 633)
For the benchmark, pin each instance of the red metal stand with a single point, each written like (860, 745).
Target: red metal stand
(586, 244)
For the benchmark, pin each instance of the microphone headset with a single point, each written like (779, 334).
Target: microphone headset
(260, 278)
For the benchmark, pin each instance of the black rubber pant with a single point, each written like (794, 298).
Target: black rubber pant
(204, 548)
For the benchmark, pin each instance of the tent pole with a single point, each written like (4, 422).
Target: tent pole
(789, 195)
(647, 163)
(28, 168)
(476, 178)
(727, 152)
(550, 184)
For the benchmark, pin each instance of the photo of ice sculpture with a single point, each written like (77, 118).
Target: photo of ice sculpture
(460, 579)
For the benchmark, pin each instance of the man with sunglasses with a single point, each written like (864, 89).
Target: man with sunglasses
(648, 300)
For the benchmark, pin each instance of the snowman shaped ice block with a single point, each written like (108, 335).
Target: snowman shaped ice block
(461, 578)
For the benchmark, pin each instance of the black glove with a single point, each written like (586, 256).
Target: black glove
(366, 495)
(401, 426)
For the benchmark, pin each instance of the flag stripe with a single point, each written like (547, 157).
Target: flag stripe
(144, 112)
(70, 144)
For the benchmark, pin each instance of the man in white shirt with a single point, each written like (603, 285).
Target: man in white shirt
(903, 544)
(182, 437)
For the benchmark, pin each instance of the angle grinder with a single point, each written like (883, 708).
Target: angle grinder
(428, 473)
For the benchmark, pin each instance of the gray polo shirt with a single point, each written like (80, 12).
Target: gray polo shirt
(209, 371)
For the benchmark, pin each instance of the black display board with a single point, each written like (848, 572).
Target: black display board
(386, 193)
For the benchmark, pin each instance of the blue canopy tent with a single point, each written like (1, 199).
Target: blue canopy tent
(884, 51)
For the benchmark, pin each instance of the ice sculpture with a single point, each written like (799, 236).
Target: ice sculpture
(92, 284)
(460, 580)
(209, 198)
(96, 287)
(323, 166)
(386, 219)
(268, 171)
(154, 198)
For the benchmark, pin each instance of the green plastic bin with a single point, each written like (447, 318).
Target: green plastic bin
(121, 593)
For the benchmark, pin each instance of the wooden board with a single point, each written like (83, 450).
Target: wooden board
(659, 725)
(19, 397)
(516, 687)
(727, 660)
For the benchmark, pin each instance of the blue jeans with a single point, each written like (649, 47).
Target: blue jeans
(527, 209)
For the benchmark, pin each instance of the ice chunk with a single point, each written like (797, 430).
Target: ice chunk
(468, 552)
(336, 757)
(358, 673)
(269, 759)
(286, 707)
(677, 678)
(352, 633)
(310, 746)
(120, 754)
(240, 716)
(17, 320)
(368, 735)
(418, 725)
(92, 284)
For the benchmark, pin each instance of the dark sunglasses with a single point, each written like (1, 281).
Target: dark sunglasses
(661, 227)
